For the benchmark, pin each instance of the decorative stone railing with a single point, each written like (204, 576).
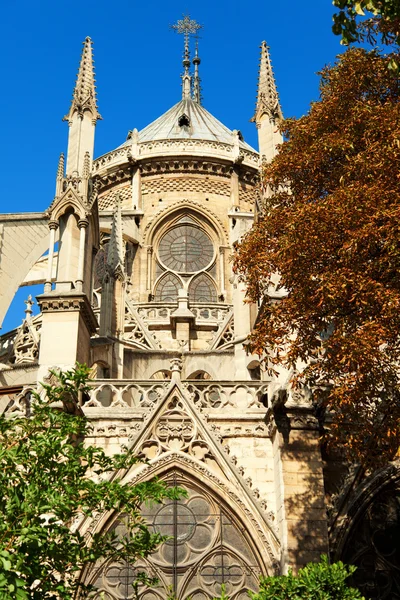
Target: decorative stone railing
(109, 393)
(120, 155)
(156, 314)
(211, 312)
(221, 395)
(152, 148)
(214, 395)
(153, 313)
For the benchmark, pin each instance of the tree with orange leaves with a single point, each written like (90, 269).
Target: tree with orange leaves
(330, 227)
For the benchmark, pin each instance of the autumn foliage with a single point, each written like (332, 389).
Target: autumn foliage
(369, 21)
(331, 228)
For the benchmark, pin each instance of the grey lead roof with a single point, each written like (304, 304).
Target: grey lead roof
(203, 126)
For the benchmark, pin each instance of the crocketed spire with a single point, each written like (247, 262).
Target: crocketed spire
(84, 96)
(267, 94)
(116, 250)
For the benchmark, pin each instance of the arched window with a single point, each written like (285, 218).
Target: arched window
(202, 289)
(167, 288)
(206, 547)
(373, 544)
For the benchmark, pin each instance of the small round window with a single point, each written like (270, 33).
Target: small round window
(186, 249)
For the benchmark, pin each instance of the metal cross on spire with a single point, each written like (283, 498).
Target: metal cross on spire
(186, 26)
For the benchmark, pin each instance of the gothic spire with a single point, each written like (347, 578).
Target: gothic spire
(84, 95)
(60, 167)
(267, 94)
(60, 174)
(197, 81)
(116, 251)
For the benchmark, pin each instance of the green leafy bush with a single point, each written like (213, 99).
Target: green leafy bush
(316, 581)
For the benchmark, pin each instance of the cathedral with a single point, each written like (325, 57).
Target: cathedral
(134, 256)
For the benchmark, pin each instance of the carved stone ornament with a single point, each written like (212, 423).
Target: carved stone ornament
(26, 342)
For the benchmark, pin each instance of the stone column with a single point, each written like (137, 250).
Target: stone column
(149, 269)
(222, 270)
(235, 188)
(243, 311)
(82, 224)
(137, 189)
(299, 483)
(53, 226)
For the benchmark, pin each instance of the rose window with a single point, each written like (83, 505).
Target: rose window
(185, 249)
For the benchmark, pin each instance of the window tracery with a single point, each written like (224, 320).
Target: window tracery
(205, 548)
(185, 249)
(202, 289)
(167, 288)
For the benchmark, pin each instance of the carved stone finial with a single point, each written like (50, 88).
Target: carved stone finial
(28, 311)
(197, 80)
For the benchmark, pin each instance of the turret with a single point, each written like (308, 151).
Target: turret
(268, 113)
(68, 320)
(83, 114)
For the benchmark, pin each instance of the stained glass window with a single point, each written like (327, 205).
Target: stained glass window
(167, 289)
(186, 249)
(205, 549)
(202, 289)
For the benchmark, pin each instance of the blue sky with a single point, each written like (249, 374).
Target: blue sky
(138, 66)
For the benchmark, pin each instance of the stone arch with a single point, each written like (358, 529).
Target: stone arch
(100, 369)
(366, 534)
(70, 201)
(161, 374)
(30, 234)
(169, 214)
(198, 364)
(212, 521)
(199, 374)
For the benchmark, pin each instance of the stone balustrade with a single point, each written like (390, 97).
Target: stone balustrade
(212, 395)
(227, 395)
(153, 314)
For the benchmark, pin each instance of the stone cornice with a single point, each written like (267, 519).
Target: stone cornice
(174, 148)
(28, 216)
(69, 302)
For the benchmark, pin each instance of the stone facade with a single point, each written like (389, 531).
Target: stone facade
(140, 287)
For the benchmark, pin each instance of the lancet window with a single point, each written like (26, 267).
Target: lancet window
(167, 288)
(202, 289)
